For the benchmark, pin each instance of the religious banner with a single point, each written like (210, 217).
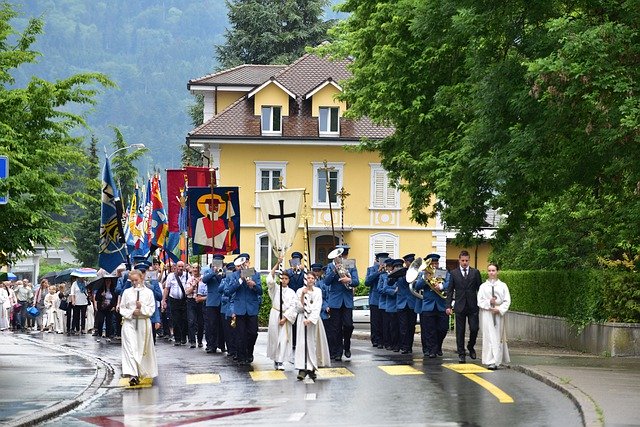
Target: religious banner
(214, 222)
(178, 179)
(281, 212)
(112, 249)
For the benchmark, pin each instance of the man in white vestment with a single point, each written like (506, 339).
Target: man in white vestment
(137, 305)
(493, 302)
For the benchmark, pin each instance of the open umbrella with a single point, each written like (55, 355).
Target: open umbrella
(64, 275)
(51, 277)
(98, 284)
(84, 272)
(12, 276)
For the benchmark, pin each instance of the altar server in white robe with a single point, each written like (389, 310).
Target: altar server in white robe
(281, 317)
(54, 316)
(312, 352)
(137, 305)
(493, 301)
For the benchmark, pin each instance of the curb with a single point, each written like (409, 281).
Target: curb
(584, 404)
(104, 372)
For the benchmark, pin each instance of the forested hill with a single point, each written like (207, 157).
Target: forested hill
(150, 48)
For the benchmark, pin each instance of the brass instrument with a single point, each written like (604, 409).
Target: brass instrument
(335, 255)
(430, 277)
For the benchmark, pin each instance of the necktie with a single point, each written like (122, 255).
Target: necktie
(464, 273)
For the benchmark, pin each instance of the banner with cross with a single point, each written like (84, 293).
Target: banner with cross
(214, 222)
(281, 214)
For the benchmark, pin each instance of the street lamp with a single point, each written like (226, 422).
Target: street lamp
(135, 147)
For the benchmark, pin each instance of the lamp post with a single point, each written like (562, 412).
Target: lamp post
(135, 147)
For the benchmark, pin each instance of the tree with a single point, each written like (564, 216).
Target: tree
(271, 31)
(36, 133)
(87, 227)
(527, 107)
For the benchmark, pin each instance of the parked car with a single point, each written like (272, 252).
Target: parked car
(361, 314)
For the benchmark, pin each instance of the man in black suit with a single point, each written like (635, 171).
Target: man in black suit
(464, 283)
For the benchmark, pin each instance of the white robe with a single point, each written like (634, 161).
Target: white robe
(279, 338)
(54, 318)
(5, 307)
(316, 339)
(138, 351)
(494, 338)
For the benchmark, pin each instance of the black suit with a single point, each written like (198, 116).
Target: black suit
(466, 305)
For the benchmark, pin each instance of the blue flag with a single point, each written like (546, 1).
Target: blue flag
(112, 248)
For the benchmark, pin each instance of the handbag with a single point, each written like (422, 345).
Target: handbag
(64, 305)
(33, 311)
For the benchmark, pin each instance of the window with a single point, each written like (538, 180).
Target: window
(383, 242)
(271, 120)
(268, 176)
(265, 262)
(329, 121)
(320, 194)
(383, 195)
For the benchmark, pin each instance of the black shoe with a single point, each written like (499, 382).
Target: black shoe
(177, 344)
(338, 358)
(209, 350)
(432, 355)
(134, 381)
(380, 346)
(396, 350)
(192, 346)
(472, 352)
(347, 354)
(439, 353)
(312, 374)
(462, 359)
(183, 343)
(301, 375)
(199, 345)
(405, 352)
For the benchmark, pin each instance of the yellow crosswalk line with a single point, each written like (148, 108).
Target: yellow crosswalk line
(267, 375)
(501, 395)
(400, 370)
(466, 368)
(144, 383)
(203, 379)
(334, 373)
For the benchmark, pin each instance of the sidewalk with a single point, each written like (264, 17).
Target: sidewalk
(606, 390)
(37, 387)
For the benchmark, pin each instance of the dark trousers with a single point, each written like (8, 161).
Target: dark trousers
(230, 336)
(246, 336)
(103, 316)
(79, 317)
(435, 325)
(166, 321)
(392, 331)
(341, 322)
(118, 323)
(406, 328)
(69, 313)
(376, 325)
(195, 320)
(461, 323)
(179, 319)
(213, 329)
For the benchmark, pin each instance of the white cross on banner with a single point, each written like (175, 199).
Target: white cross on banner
(281, 211)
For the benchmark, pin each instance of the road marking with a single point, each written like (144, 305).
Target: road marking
(144, 383)
(400, 370)
(310, 396)
(267, 375)
(296, 416)
(466, 368)
(501, 395)
(334, 373)
(203, 379)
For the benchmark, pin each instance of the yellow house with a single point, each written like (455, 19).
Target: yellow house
(271, 125)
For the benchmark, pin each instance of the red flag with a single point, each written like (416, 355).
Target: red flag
(197, 177)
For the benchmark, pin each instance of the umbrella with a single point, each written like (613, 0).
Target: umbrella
(51, 277)
(64, 275)
(84, 272)
(12, 276)
(98, 284)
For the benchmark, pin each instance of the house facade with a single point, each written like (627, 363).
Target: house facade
(271, 125)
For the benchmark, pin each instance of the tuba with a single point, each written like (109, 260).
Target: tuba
(431, 278)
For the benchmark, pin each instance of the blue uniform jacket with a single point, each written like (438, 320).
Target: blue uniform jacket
(122, 283)
(405, 297)
(390, 289)
(296, 280)
(246, 300)
(224, 299)
(371, 280)
(430, 300)
(157, 294)
(339, 294)
(382, 282)
(325, 298)
(212, 279)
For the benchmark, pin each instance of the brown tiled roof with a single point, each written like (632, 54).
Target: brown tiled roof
(300, 77)
(250, 75)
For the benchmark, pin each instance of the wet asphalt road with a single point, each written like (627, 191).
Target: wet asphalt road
(376, 387)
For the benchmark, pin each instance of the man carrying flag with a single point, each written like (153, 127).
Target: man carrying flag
(112, 248)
